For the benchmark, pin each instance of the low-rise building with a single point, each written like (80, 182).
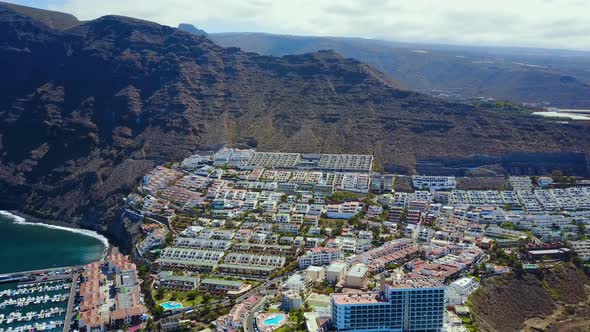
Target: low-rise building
(336, 272)
(581, 248)
(168, 280)
(315, 273)
(459, 290)
(357, 276)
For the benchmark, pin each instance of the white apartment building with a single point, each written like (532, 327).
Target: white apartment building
(582, 249)
(434, 182)
(336, 271)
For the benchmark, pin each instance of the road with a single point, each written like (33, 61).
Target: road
(262, 289)
(249, 323)
(71, 300)
(38, 275)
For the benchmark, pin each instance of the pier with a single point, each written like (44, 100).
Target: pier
(71, 301)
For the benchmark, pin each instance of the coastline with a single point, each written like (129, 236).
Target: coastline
(24, 219)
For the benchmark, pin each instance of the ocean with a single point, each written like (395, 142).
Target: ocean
(27, 246)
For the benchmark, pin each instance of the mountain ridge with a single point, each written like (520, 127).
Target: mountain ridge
(89, 110)
(457, 71)
(53, 19)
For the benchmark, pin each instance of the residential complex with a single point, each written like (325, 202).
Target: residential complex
(230, 223)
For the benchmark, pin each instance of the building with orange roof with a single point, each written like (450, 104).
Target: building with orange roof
(100, 310)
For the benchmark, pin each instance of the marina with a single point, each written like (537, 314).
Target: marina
(38, 301)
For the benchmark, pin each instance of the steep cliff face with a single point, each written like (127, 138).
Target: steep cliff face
(86, 111)
(557, 299)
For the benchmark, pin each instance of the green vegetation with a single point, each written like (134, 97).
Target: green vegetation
(558, 177)
(499, 257)
(508, 225)
(335, 224)
(468, 323)
(581, 228)
(157, 311)
(298, 320)
(187, 299)
(552, 292)
(169, 238)
(342, 196)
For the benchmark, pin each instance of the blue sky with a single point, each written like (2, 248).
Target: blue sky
(529, 23)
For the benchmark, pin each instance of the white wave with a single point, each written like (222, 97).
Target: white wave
(22, 221)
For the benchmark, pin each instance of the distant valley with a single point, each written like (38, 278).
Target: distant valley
(543, 77)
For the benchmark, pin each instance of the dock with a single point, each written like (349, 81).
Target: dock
(71, 301)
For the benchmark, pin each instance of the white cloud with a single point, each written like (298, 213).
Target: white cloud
(538, 23)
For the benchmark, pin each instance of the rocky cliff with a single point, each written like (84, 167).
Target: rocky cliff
(86, 111)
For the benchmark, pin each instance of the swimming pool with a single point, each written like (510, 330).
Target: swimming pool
(274, 320)
(171, 305)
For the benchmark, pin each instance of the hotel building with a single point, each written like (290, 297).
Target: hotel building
(406, 304)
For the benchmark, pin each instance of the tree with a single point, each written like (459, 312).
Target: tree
(576, 260)
(476, 271)
(518, 271)
(158, 311)
(169, 238)
(149, 325)
(392, 266)
(190, 296)
(557, 175)
(159, 293)
(143, 271)
(581, 230)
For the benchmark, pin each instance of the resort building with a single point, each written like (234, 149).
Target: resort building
(236, 317)
(189, 259)
(291, 299)
(250, 265)
(222, 286)
(169, 280)
(520, 183)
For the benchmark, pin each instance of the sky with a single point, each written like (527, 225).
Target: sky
(561, 24)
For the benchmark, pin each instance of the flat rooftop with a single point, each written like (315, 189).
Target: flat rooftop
(415, 282)
(357, 298)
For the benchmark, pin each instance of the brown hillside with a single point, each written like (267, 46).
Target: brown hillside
(554, 299)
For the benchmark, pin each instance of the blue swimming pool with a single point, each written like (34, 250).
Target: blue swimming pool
(274, 320)
(171, 305)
